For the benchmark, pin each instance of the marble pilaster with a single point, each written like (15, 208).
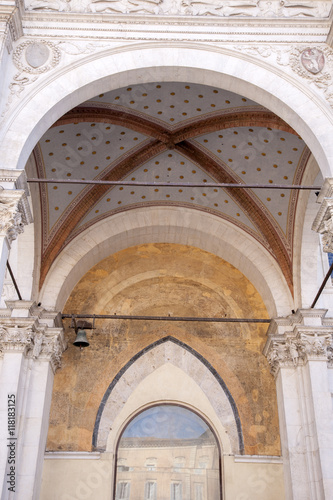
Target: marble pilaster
(299, 351)
(32, 342)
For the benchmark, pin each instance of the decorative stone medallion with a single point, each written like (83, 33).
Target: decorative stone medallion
(36, 57)
(37, 54)
(313, 60)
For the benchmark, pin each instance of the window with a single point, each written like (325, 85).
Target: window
(176, 491)
(151, 463)
(150, 490)
(162, 452)
(179, 464)
(198, 491)
(123, 490)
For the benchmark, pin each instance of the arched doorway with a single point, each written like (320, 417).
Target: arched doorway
(168, 452)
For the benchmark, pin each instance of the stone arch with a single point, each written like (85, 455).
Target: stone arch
(220, 407)
(167, 225)
(50, 98)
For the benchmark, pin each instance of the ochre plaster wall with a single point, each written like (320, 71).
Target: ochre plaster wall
(162, 279)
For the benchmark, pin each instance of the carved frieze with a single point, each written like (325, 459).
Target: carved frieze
(227, 8)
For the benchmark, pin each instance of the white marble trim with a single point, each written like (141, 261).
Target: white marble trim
(258, 459)
(72, 455)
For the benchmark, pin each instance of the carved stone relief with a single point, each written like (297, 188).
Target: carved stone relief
(313, 60)
(15, 338)
(315, 64)
(10, 220)
(50, 348)
(32, 58)
(252, 8)
(40, 344)
(323, 224)
(293, 351)
(14, 213)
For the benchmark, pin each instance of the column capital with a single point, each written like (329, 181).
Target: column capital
(48, 344)
(34, 337)
(304, 336)
(16, 338)
(14, 213)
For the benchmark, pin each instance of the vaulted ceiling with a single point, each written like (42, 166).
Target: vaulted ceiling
(171, 132)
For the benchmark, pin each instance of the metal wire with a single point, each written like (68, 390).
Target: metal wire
(168, 318)
(174, 184)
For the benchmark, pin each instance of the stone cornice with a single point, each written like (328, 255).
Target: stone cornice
(113, 26)
(13, 179)
(10, 23)
(326, 190)
(301, 319)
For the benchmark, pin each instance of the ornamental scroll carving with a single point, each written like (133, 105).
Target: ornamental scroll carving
(323, 224)
(14, 213)
(10, 219)
(314, 64)
(15, 338)
(36, 344)
(292, 352)
(48, 346)
(226, 8)
(32, 58)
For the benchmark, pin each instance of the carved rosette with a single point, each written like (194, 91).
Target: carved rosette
(290, 351)
(17, 339)
(14, 213)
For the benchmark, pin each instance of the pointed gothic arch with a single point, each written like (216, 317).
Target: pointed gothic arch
(204, 379)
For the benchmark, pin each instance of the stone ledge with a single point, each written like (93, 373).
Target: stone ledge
(258, 459)
(72, 455)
